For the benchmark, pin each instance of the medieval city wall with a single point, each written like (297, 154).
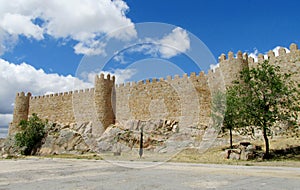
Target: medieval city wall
(185, 99)
(179, 98)
(54, 107)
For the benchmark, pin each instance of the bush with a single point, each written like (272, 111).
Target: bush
(31, 134)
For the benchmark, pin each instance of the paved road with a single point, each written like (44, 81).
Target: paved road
(86, 174)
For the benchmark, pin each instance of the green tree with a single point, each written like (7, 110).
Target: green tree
(263, 98)
(31, 134)
(218, 107)
(231, 118)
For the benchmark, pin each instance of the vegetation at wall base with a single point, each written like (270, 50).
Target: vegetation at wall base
(31, 134)
(262, 99)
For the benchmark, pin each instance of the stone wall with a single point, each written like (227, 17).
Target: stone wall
(185, 99)
(54, 107)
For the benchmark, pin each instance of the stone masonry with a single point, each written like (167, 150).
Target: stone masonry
(185, 99)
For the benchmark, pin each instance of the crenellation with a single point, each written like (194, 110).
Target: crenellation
(201, 74)
(176, 77)
(282, 51)
(222, 57)
(153, 98)
(128, 84)
(245, 57)
(271, 54)
(260, 58)
(230, 55)
(250, 60)
(101, 76)
(293, 47)
(239, 55)
(193, 75)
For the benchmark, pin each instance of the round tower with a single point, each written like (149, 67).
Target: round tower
(104, 99)
(21, 109)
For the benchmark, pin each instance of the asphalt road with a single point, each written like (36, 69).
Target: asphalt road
(91, 174)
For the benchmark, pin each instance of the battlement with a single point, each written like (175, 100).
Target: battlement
(23, 94)
(102, 77)
(63, 94)
(168, 79)
(153, 98)
(288, 55)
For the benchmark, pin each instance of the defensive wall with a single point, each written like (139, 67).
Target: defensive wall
(182, 98)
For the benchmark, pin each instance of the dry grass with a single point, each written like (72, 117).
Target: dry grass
(216, 155)
(75, 156)
(285, 155)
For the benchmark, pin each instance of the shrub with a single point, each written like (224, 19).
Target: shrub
(31, 134)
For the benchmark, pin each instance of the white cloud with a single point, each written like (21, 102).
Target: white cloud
(82, 20)
(170, 45)
(16, 78)
(121, 75)
(16, 24)
(254, 54)
(214, 67)
(92, 47)
(276, 50)
(174, 43)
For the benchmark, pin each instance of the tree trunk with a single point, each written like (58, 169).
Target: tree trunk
(230, 135)
(267, 153)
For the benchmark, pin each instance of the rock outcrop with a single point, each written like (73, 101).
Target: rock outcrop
(161, 136)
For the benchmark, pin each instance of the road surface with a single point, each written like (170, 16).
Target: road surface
(92, 174)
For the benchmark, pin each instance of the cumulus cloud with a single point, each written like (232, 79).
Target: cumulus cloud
(16, 78)
(82, 21)
(170, 45)
(174, 43)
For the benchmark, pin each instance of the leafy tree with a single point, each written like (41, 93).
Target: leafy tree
(262, 98)
(218, 106)
(31, 134)
(231, 119)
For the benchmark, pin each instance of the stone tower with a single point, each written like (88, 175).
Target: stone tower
(21, 110)
(104, 99)
(232, 66)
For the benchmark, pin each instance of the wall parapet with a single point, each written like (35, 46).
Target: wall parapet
(167, 79)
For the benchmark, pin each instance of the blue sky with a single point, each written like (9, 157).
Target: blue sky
(43, 43)
(221, 25)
